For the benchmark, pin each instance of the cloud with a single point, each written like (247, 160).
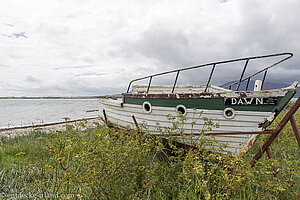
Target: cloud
(32, 79)
(64, 53)
(90, 74)
(7, 24)
(168, 46)
(16, 35)
(72, 67)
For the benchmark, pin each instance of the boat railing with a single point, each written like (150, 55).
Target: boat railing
(213, 66)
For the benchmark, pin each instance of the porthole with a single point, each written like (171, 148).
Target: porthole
(229, 113)
(181, 109)
(147, 107)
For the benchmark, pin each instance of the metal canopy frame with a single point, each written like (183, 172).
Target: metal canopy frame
(213, 66)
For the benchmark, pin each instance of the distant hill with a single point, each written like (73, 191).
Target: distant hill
(266, 86)
(115, 95)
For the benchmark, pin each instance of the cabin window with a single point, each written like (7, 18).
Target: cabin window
(229, 113)
(181, 109)
(147, 107)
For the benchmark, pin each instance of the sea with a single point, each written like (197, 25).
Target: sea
(26, 112)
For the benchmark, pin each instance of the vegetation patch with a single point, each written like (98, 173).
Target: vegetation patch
(101, 163)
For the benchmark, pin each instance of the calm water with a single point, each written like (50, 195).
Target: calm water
(22, 112)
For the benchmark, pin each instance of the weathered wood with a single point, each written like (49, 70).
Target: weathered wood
(295, 128)
(188, 94)
(272, 137)
(136, 124)
(228, 133)
(242, 119)
(105, 117)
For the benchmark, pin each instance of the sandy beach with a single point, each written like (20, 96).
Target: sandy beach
(17, 131)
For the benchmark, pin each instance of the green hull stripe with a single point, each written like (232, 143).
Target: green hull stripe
(284, 100)
(211, 103)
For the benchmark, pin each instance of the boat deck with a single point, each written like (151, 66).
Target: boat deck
(182, 89)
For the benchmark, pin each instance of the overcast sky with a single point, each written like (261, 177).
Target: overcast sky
(95, 47)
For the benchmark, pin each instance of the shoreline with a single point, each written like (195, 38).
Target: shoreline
(23, 130)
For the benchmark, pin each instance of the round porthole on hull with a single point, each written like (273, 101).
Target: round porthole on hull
(147, 107)
(229, 113)
(181, 109)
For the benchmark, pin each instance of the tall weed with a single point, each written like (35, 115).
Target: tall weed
(101, 163)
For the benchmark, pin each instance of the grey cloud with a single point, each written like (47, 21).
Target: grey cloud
(6, 35)
(258, 33)
(88, 59)
(32, 79)
(167, 46)
(37, 90)
(72, 67)
(16, 35)
(7, 24)
(32, 86)
(166, 40)
(76, 87)
(90, 74)
(21, 34)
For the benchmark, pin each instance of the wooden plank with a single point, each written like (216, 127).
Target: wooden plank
(272, 137)
(244, 121)
(233, 140)
(188, 127)
(105, 117)
(295, 128)
(228, 133)
(131, 108)
(158, 114)
(136, 124)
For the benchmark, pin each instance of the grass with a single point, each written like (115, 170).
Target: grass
(101, 163)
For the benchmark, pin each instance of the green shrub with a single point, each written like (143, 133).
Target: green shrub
(101, 163)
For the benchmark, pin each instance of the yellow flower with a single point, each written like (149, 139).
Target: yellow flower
(79, 196)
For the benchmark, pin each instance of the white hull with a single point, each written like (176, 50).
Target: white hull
(243, 121)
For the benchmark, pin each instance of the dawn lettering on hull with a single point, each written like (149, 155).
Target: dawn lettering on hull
(251, 101)
(233, 101)
(259, 101)
(240, 102)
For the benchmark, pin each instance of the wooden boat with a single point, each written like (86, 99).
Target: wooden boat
(240, 115)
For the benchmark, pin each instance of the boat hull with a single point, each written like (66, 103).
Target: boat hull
(159, 120)
(228, 112)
